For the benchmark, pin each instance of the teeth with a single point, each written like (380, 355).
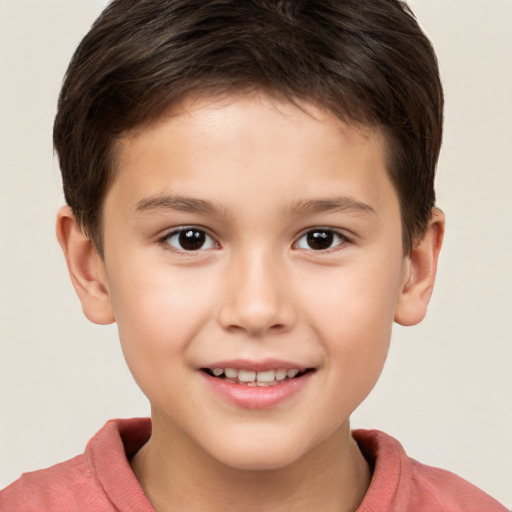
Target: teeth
(281, 374)
(231, 373)
(252, 378)
(267, 376)
(246, 376)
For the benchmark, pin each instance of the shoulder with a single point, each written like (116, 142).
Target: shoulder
(100, 479)
(60, 487)
(451, 492)
(400, 483)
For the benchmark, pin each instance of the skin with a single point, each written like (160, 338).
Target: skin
(270, 173)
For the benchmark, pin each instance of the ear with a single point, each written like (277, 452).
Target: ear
(86, 268)
(420, 272)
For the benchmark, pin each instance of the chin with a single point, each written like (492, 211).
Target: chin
(257, 462)
(259, 455)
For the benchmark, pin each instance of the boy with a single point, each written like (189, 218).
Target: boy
(250, 191)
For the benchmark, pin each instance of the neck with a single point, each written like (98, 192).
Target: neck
(178, 475)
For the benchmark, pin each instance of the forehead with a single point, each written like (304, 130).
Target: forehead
(231, 145)
(238, 111)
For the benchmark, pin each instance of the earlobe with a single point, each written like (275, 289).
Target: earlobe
(420, 270)
(86, 268)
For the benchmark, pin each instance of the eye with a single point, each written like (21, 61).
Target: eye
(320, 239)
(189, 239)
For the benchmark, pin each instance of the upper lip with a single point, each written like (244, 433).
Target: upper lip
(256, 366)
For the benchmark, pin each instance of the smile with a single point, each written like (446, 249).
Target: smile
(256, 385)
(264, 378)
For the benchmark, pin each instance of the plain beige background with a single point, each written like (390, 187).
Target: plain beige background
(446, 390)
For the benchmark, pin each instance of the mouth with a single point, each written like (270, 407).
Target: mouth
(265, 378)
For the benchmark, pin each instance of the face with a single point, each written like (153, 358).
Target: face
(253, 261)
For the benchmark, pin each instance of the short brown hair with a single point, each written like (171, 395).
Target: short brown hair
(367, 61)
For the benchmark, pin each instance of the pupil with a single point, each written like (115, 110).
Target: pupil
(191, 239)
(320, 240)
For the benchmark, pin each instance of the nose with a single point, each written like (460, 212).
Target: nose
(257, 298)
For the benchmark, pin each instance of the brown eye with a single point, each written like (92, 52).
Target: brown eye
(190, 239)
(320, 240)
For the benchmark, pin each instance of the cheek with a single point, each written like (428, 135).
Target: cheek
(356, 298)
(158, 312)
(358, 344)
(353, 315)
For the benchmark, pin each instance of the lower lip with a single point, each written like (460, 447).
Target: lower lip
(257, 397)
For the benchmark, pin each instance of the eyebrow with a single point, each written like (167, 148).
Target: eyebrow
(304, 207)
(178, 203)
(337, 204)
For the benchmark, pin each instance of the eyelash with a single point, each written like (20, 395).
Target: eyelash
(326, 234)
(165, 240)
(332, 235)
